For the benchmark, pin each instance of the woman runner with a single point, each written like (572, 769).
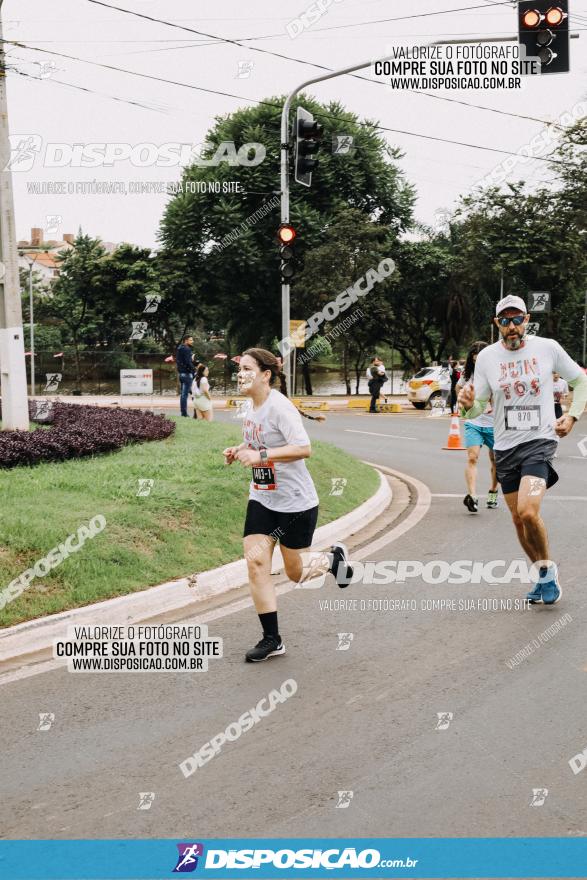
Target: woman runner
(283, 504)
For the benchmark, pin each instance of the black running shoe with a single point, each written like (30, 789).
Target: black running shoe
(269, 646)
(341, 567)
(472, 504)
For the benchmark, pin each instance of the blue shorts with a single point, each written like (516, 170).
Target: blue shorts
(476, 436)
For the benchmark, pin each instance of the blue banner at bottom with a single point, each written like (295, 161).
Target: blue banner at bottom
(379, 857)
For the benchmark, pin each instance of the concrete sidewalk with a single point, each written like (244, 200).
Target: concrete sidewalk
(171, 402)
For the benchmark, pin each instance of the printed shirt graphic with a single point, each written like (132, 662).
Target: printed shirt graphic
(523, 378)
(278, 423)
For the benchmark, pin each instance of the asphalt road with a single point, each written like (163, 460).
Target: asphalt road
(363, 720)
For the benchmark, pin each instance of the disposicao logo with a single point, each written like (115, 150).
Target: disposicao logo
(187, 860)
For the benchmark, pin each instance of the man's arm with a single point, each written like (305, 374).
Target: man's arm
(579, 386)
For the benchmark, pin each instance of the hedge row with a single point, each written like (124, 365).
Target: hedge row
(76, 431)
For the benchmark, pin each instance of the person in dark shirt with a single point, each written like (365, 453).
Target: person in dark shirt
(184, 359)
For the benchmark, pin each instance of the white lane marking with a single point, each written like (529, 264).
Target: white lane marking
(420, 509)
(546, 497)
(376, 434)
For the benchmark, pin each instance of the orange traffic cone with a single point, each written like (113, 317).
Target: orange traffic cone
(454, 435)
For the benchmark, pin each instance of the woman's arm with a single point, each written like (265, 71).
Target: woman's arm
(251, 457)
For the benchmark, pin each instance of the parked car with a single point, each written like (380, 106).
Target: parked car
(428, 384)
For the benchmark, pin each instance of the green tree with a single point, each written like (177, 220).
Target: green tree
(352, 245)
(238, 283)
(76, 294)
(536, 238)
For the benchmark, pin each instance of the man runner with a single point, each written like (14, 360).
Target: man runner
(517, 370)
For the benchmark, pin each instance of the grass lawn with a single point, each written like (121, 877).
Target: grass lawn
(191, 521)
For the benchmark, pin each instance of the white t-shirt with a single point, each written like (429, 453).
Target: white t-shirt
(522, 387)
(373, 370)
(485, 420)
(204, 386)
(560, 388)
(278, 423)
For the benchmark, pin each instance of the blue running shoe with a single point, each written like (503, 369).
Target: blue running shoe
(551, 590)
(535, 595)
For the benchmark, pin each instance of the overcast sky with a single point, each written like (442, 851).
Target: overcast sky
(57, 113)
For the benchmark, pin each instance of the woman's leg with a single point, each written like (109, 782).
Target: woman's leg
(304, 564)
(208, 414)
(258, 554)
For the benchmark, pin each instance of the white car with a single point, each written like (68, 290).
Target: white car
(428, 384)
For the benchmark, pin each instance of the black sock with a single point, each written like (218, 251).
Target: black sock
(269, 623)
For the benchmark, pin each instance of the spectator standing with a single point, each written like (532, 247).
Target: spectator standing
(376, 377)
(203, 407)
(184, 360)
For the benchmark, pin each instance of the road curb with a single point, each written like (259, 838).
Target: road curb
(38, 635)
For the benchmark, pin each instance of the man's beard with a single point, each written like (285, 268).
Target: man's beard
(513, 343)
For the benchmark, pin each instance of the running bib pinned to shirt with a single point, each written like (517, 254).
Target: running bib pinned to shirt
(522, 418)
(264, 476)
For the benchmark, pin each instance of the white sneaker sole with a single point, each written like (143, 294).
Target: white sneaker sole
(272, 654)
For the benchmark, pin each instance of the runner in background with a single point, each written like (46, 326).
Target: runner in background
(478, 433)
(560, 389)
(455, 375)
(283, 504)
(517, 371)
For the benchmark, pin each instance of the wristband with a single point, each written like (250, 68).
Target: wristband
(263, 455)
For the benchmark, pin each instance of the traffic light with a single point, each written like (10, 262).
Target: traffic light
(543, 28)
(286, 236)
(307, 135)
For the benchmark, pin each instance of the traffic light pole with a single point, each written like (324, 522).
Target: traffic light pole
(285, 147)
(13, 383)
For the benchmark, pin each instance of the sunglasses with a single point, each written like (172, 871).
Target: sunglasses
(516, 321)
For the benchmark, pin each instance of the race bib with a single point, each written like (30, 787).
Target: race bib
(522, 418)
(264, 476)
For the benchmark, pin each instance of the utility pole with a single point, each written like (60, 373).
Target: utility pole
(13, 384)
(285, 147)
(585, 327)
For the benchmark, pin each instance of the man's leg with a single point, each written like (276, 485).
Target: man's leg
(530, 495)
(184, 391)
(471, 469)
(494, 483)
(511, 500)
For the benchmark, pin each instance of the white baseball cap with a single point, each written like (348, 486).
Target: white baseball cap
(510, 302)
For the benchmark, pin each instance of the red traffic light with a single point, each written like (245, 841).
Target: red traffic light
(286, 233)
(554, 16)
(531, 18)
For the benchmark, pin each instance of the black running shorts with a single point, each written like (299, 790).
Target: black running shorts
(293, 530)
(528, 459)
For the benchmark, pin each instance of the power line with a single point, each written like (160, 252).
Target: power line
(280, 55)
(60, 82)
(266, 103)
(316, 30)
